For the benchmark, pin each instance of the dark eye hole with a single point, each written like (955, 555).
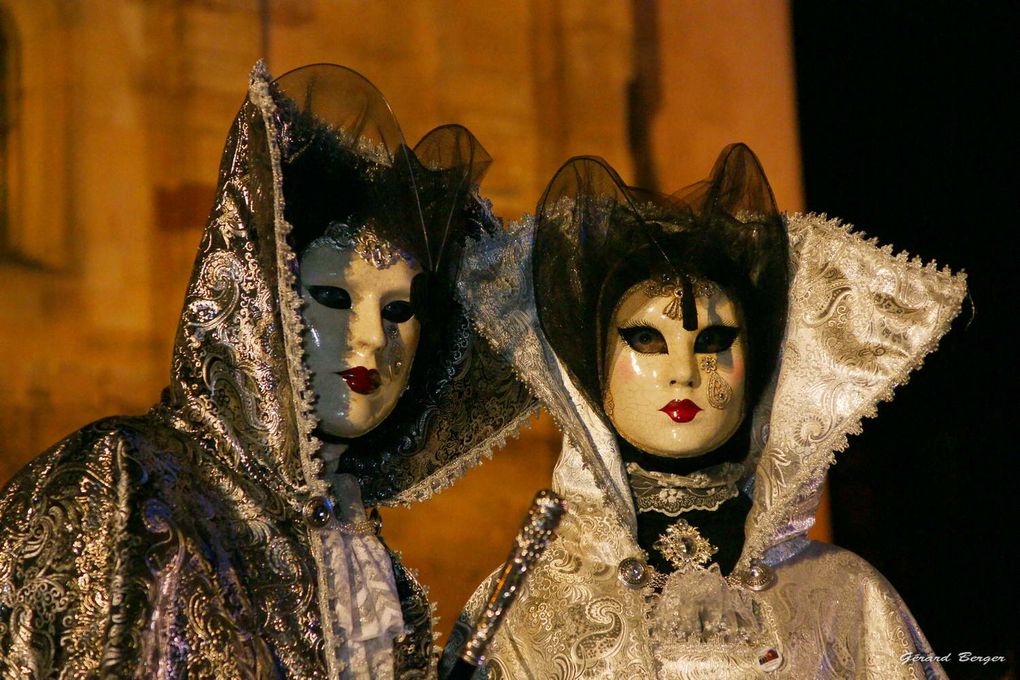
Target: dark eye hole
(715, 339)
(644, 339)
(398, 311)
(331, 296)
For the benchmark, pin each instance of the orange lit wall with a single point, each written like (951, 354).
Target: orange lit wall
(118, 114)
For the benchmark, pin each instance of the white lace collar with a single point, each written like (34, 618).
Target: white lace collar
(673, 494)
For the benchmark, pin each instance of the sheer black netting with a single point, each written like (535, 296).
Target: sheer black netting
(596, 237)
(344, 159)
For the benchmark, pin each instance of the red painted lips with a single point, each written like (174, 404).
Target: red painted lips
(681, 411)
(361, 380)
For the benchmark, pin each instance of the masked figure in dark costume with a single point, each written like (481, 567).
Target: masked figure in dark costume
(704, 357)
(224, 533)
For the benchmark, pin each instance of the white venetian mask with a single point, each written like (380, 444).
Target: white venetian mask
(670, 391)
(361, 333)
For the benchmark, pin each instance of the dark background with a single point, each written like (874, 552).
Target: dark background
(908, 119)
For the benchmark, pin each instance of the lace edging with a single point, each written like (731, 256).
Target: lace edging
(445, 477)
(289, 301)
(824, 453)
(290, 306)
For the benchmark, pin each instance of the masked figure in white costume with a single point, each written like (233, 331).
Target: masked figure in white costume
(321, 364)
(704, 357)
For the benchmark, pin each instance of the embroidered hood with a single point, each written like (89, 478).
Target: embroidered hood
(858, 320)
(238, 376)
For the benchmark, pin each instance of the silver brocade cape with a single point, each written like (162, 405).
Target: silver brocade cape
(173, 544)
(860, 319)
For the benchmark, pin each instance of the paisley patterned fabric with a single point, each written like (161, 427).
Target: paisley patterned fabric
(184, 543)
(860, 319)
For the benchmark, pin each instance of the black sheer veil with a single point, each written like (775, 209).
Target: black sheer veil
(345, 158)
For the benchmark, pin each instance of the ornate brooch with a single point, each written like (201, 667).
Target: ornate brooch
(684, 547)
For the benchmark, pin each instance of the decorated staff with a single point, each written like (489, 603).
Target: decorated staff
(537, 530)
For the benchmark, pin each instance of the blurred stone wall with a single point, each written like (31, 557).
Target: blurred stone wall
(116, 115)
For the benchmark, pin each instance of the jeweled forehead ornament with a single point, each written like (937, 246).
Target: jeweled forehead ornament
(364, 241)
(675, 287)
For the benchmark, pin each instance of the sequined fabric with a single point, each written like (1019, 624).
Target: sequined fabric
(860, 319)
(188, 542)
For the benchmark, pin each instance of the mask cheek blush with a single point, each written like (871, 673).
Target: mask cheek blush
(624, 371)
(627, 373)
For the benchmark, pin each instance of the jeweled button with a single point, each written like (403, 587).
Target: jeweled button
(634, 573)
(769, 659)
(759, 576)
(318, 512)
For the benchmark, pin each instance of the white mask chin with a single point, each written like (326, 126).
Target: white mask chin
(360, 337)
(669, 391)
